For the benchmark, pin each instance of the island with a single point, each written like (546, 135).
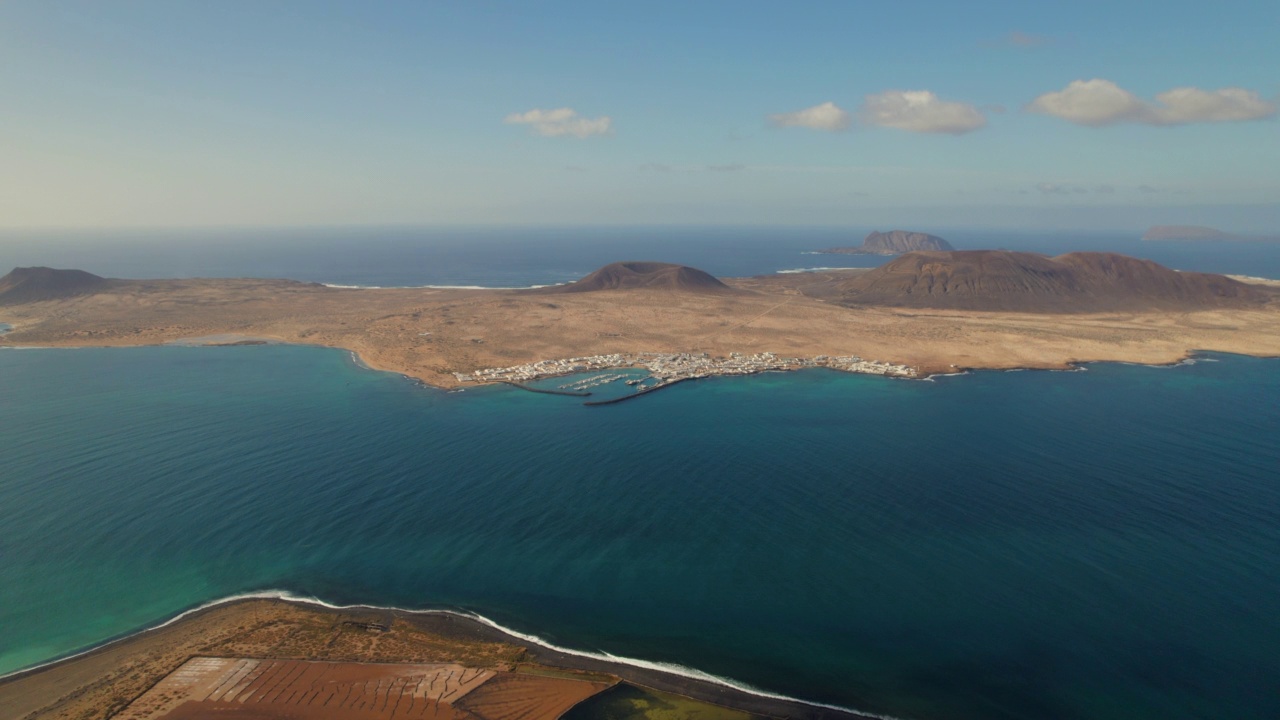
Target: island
(921, 314)
(894, 242)
(1199, 233)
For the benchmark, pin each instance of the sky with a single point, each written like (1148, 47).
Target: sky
(1089, 115)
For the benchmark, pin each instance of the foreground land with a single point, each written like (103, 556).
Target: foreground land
(437, 335)
(265, 658)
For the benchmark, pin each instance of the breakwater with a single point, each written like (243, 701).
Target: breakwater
(638, 393)
(571, 393)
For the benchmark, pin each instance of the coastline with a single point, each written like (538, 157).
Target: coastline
(447, 338)
(665, 677)
(926, 372)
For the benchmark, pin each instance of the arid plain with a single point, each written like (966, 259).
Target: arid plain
(432, 333)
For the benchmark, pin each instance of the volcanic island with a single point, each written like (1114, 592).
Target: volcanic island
(919, 314)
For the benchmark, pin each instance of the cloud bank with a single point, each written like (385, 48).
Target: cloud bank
(1098, 103)
(827, 116)
(561, 122)
(920, 111)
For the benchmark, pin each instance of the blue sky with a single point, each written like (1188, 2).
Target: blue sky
(981, 113)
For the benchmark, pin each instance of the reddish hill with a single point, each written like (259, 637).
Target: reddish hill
(1001, 280)
(36, 284)
(645, 276)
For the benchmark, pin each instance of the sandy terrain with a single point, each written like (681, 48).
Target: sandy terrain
(266, 659)
(101, 683)
(314, 690)
(430, 334)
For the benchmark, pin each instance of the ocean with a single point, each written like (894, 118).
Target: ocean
(1094, 544)
(519, 257)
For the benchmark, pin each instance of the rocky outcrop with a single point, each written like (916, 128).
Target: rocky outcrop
(894, 242)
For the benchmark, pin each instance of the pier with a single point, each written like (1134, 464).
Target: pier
(668, 369)
(636, 394)
(571, 393)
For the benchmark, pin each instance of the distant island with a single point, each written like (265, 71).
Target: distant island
(894, 242)
(1199, 233)
(922, 313)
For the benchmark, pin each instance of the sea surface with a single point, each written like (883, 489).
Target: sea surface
(1094, 544)
(520, 257)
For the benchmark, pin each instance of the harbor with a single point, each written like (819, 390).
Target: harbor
(665, 369)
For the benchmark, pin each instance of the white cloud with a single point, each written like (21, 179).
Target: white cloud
(561, 122)
(1097, 103)
(1188, 105)
(827, 116)
(920, 111)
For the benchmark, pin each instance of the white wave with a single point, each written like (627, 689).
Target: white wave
(942, 375)
(438, 287)
(793, 271)
(670, 668)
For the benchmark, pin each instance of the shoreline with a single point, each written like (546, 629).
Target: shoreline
(656, 675)
(926, 373)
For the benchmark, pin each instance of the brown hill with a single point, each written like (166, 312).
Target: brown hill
(35, 284)
(894, 242)
(1001, 280)
(644, 276)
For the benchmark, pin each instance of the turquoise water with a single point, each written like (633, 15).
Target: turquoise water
(1100, 544)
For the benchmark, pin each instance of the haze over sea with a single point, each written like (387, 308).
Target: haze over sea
(1097, 544)
(521, 256)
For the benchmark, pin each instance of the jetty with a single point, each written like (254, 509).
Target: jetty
(636, 394)
(667, 369)
(570, 393)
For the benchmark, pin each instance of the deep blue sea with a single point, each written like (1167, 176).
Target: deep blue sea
(1095, 544)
